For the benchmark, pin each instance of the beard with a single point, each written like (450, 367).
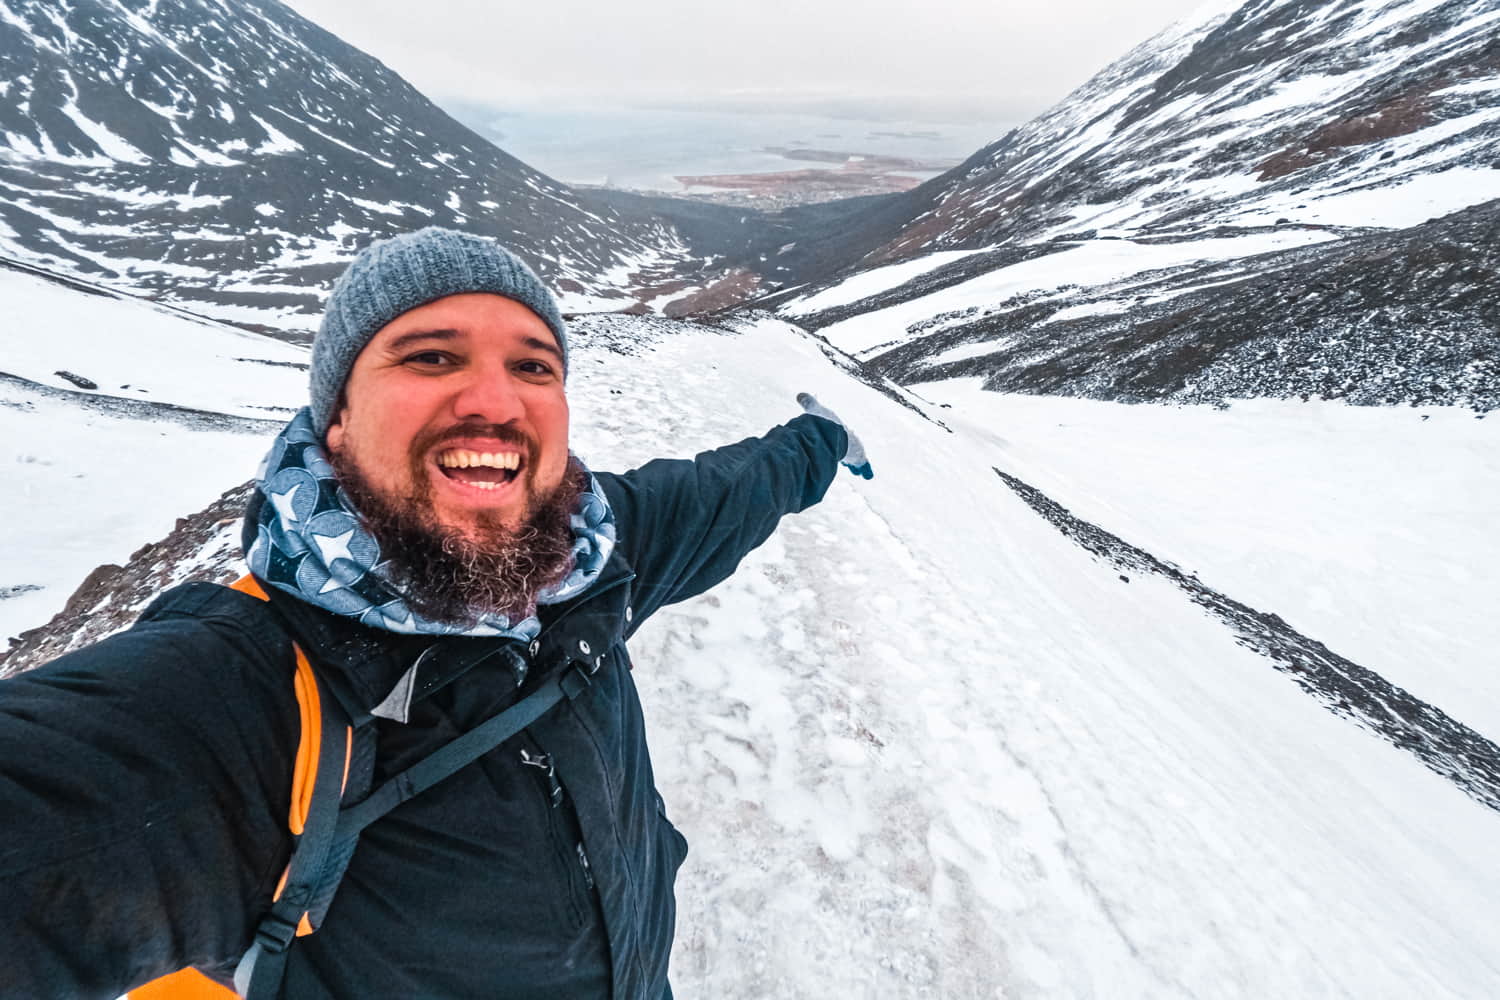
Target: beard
(458, 576)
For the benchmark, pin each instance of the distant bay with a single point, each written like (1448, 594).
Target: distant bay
(646, 148)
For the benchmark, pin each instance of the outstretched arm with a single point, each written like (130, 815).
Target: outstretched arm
(686, 524)
(143, 791)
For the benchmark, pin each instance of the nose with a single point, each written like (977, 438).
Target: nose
(488, 395)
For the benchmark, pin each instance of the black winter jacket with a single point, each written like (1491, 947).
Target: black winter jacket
(145, 780)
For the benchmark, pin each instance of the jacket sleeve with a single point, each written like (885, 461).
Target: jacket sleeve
(686, 524)
(144, 784)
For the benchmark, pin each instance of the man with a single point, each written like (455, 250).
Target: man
(424, 535)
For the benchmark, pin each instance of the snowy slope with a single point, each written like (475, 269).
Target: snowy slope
(1406, 316)
(228, 157)
(179, 410)
(137, 351)
(925, 745)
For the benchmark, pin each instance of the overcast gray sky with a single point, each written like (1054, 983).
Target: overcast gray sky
(1022, 54)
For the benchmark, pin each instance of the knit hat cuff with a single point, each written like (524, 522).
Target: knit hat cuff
(397, 275)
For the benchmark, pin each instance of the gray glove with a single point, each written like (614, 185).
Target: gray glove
(854, 458)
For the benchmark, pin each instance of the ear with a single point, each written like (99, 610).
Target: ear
(334, 438)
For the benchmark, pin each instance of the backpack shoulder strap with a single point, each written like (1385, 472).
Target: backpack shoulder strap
(319, 782)
(463, 750)
(326, 762)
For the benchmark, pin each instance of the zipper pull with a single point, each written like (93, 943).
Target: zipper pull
(588, 873)
(544, 762)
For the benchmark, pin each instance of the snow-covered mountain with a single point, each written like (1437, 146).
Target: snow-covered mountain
(1248, 129)
(227, 157)
(1143, 702)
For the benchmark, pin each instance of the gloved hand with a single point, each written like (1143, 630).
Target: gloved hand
(854, 458)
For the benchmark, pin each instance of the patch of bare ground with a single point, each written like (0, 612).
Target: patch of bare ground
(732, 289)
(1399, 116)
(646, 291)
(954, 220)
(204, 546)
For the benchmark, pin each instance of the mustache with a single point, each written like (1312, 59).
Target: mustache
(499, 433)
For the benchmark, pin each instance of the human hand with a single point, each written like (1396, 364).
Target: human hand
(854, 458)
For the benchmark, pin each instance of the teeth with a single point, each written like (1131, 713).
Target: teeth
(461, 459)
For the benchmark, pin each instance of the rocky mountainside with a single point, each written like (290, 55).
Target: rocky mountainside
(1323, 132)
(1404, 317)
(226, 157)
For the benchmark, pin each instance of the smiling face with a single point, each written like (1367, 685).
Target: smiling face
(458, 406)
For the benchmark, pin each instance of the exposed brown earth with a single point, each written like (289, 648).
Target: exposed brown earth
(1400, 116)
(732, 289)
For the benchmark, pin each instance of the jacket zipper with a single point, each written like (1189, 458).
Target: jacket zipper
(543, 762)
(577, 907)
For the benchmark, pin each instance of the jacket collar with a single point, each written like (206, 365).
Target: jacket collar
(377, 673)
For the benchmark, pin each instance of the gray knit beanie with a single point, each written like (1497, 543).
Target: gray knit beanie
(390, 277)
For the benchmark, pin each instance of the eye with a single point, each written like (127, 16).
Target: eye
(535, 368)
(428, 359)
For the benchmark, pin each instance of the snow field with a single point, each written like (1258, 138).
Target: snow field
(81, 488)
(134, 350)
(873, 282)
(925, 746)
(86, 485)
(1371, 529)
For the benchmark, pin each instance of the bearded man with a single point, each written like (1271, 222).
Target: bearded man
(422, 535)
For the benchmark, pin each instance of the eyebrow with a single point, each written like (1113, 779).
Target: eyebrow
(537, 343)
(407, 339)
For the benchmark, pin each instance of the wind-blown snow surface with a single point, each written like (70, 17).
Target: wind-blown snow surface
(1371, 528)
(134, 350)
(923, 745)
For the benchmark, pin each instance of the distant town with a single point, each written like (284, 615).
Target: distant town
(856, 174)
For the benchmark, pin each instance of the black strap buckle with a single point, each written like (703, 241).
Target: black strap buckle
(276, 930)
(575, 680)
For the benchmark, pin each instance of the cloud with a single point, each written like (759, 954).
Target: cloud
(1026, 54)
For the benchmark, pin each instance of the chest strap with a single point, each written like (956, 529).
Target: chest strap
(330, 833)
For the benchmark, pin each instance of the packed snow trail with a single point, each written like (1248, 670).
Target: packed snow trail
(925, 746)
